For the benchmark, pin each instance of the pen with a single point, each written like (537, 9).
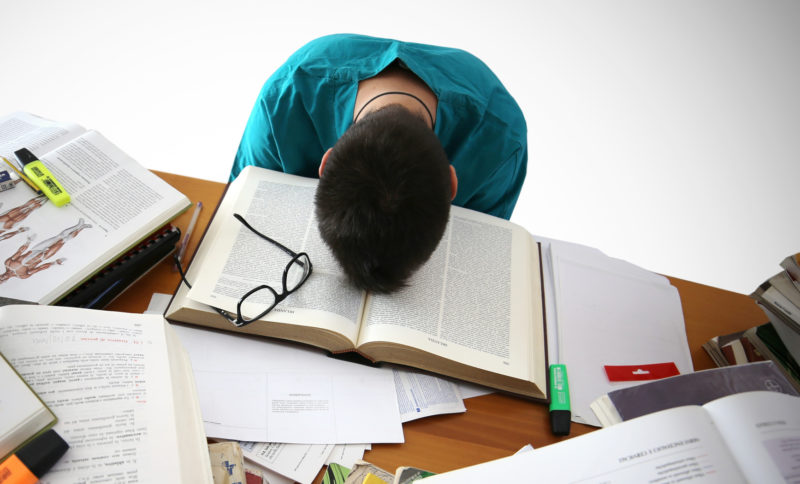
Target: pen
(33, 460)
(189, 230)
(560, 414)
(42, 178)
(21, 175)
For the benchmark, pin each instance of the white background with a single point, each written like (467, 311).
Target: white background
(665, 133)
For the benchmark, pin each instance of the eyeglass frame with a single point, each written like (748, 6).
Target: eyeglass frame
(239, 321)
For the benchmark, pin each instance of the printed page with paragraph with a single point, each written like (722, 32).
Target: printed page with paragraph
(477, 302)
(121, 388)
(115, 202)
(232, 260)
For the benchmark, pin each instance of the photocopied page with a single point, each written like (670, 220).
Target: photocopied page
(288, 393)
(298, 462)
(301, 462)
(762, 430)
(106, 376)
(677, 445)
(476, 301)
(423, 395)
(115, 202)
(280, 206)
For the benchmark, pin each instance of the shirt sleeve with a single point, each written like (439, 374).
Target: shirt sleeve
(258, 146)
(510, 175)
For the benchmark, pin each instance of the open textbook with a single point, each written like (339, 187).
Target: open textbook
(742, 438)
(474, 311)
(122, 388)
(115, 203)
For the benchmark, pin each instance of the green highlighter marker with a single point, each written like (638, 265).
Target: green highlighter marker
(560, 414)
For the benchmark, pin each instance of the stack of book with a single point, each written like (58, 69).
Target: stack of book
(777, 340)
(114, 228)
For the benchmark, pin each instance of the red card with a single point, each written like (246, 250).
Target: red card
(641, 372)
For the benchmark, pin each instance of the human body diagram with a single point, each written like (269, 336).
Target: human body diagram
(26, 262)
(11, 217)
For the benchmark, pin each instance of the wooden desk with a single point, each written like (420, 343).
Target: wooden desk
(494, 425)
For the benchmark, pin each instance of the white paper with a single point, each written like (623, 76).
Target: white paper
(254, 389)
(681, 446)
(105, 380)
(762, 430)
(268, 476)
(347, 455)
(418, 394)
(610, 312)
(422, 395)
(296, 461)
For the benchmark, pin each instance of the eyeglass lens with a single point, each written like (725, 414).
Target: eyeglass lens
(297, 272)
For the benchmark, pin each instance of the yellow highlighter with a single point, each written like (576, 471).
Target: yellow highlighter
(42, 178)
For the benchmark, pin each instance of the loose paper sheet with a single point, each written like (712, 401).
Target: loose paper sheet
(611, 312)
(254, 389)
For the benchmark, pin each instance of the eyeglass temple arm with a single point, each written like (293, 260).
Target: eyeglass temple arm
(280, 246)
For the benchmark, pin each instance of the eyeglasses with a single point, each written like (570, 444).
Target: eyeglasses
(295, 274)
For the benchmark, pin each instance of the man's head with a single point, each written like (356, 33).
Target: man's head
(383, 198)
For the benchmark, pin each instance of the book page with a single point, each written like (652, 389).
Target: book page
(193, 453)
(235, 260)
(39, 135)
(106, 376)
(677, 445)
(475, 301)
(116, 202)
(762, 429)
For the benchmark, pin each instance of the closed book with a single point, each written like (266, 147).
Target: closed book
(104, 287)
(23, 415)
(695, 388)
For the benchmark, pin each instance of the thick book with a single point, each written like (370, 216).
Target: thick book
(474, 311)
(769, 343)
(781, 296)
(759, 343)
(732, 349)
(23, 415)
(106, 285)
(695, 388)
(791, 264)
(122, 388)
(742, 438)
(49, 251)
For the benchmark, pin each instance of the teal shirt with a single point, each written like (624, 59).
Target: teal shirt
(307, 104)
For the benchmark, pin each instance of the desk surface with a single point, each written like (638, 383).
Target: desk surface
(494, 425)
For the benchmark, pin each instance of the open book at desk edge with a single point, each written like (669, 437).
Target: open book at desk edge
(475, 310)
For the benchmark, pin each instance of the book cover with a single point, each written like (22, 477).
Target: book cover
(23, 415)
(695, 388)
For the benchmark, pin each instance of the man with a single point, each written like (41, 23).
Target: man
(395, 131)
